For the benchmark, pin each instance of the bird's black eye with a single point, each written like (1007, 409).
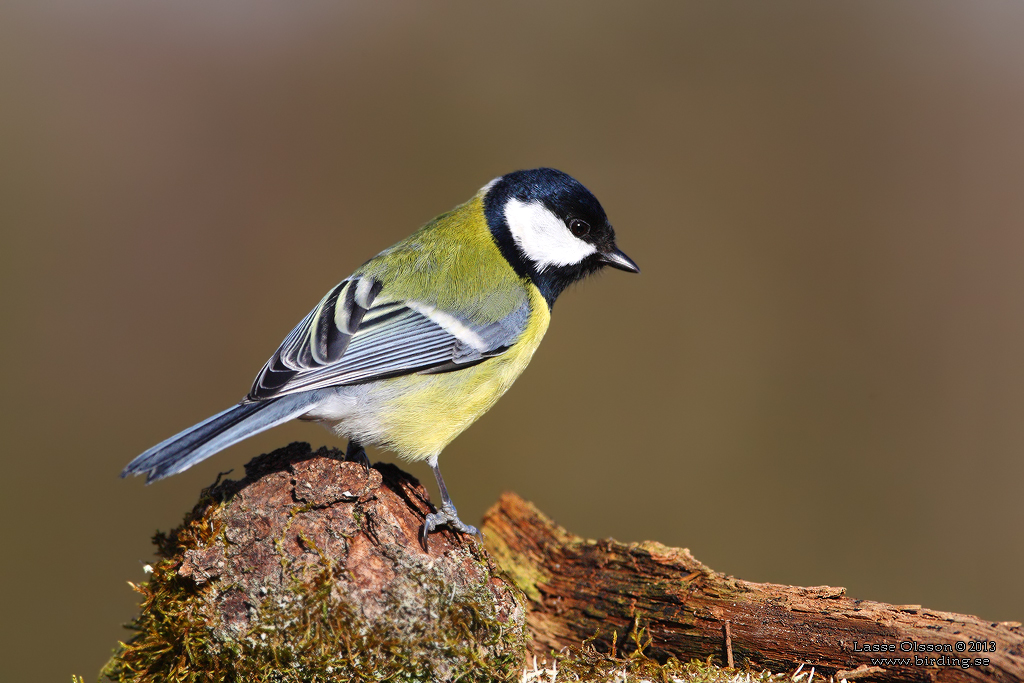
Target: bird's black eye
(579, 228)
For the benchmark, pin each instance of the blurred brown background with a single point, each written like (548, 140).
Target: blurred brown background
(817, 379)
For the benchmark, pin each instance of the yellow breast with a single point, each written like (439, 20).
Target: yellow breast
(425, 412)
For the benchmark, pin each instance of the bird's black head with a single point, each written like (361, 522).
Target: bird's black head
(551, 229)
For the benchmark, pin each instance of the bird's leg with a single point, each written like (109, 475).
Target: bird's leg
(446, 514)
(356, 453)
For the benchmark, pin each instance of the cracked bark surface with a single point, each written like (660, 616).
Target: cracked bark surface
(311, 569)
(579, 589)
(297, 509)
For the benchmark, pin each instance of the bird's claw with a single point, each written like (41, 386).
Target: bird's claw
(446, 515)
(357, 455)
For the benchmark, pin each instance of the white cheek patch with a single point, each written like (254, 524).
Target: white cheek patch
(543, 237)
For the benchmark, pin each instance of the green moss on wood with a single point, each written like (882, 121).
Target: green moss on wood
(310, 636)
(310, 632)
(585, 664)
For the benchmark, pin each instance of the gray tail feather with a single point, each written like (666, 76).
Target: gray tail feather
(216, 433)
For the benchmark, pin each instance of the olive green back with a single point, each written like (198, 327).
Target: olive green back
(453, 263)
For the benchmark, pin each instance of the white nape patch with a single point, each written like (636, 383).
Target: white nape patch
(543, 237)
(450, 324)
(483, 190)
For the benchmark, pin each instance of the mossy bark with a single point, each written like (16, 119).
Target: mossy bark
(603, 590)
(310, 569)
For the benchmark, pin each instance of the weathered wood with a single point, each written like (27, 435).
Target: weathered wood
(580, 589)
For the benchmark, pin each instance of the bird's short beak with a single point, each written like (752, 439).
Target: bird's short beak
(616, 259)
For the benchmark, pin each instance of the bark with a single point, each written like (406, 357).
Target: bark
(580, 589)
(311, 569)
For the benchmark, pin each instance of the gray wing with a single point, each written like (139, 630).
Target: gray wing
(355, 336)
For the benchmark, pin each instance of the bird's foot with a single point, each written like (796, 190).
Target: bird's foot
(446, 515)
(356, 453)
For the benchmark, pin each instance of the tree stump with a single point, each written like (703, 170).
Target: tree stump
(310, 569)
(581, 589)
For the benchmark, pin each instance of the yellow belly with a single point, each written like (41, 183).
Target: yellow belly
(426, 412)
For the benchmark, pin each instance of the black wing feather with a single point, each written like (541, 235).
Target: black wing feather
(347, 340)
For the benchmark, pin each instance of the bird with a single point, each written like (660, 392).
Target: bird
(425, 337)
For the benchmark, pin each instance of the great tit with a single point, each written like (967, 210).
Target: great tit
(422, 339)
